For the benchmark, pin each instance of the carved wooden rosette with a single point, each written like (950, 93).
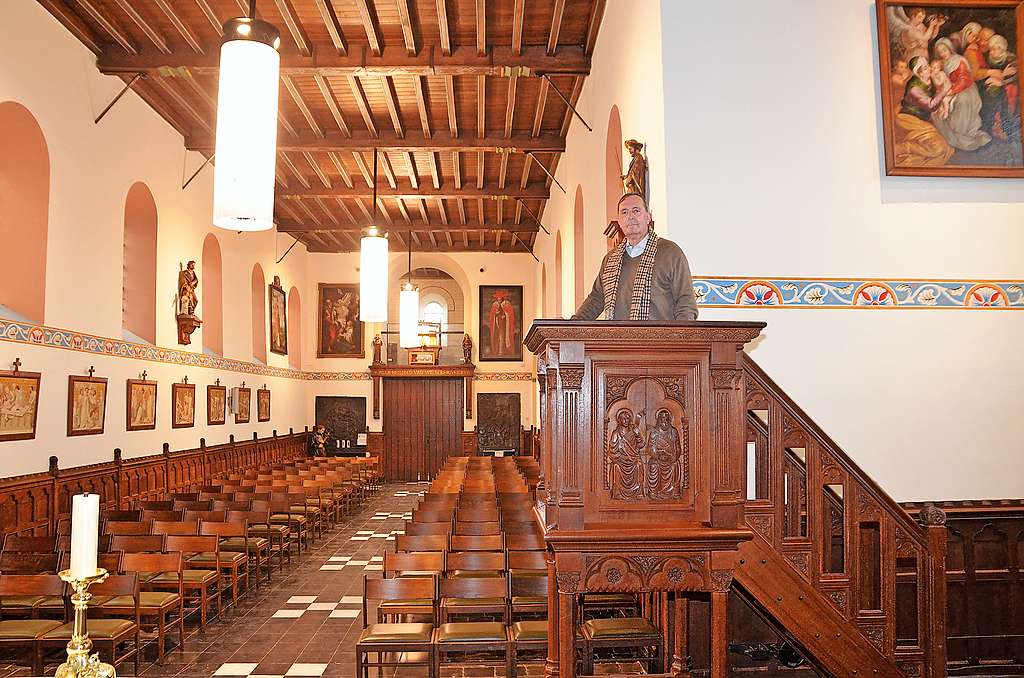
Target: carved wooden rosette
(634, 572)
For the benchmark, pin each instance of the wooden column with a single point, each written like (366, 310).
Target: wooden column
(680, 623)
(719, 634)
(551, 665)
(566, 634)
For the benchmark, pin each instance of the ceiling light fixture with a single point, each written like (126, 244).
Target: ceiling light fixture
(373, 267)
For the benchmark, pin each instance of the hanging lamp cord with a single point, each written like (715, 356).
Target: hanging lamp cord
(252, 9)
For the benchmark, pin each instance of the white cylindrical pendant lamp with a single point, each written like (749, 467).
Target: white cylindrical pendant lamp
(408, 317)
(85, 530)
(373, 278)
(246, 150)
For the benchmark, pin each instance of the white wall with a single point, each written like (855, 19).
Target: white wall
(92, 166)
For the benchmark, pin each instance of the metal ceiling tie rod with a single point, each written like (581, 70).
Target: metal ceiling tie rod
(196, 173)
(533, 214)
(131, 83)
(528, 249)
(288, 250)
(567, 103)
(550, 175)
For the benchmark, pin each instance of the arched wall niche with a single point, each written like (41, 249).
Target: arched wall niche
(558, 275)
(25, 196)
(211, 288)
(613, 168)
(398, 270)
(138, 291)
(259, 315)
(578, 247)
(543, 290)
(294, 329)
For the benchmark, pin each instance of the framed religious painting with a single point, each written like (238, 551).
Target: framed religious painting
(140, 405)
(87, 404)
(216, 404)
(183, 405)
(243, 408)
(951, 95)
(19, 404)
(278, 318)
(501, 323)
(339, 330)
(263, 404)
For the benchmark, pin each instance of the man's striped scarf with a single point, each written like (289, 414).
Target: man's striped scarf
(640, 302)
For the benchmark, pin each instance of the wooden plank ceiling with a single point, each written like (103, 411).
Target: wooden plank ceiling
(457, 95)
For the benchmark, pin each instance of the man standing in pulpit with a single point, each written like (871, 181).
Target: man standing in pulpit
(643, 278)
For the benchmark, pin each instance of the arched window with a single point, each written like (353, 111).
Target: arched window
(294, 330)
(558, 274)
(578, 247)
(25, 197)
(259, 315)
(211, 289)
(613, 168)
(138, 291)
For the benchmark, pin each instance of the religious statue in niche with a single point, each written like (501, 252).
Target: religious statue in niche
(646, 463)
(635, 178)
(188, 322)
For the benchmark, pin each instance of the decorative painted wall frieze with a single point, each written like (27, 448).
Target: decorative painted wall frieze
(858, 293)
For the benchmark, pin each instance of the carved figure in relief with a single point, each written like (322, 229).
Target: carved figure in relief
(624, 462)
(665, 466)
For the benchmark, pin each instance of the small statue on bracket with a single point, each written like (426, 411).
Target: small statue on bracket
(635, 178)
(378, 344)
(467, 349)
(187, 301)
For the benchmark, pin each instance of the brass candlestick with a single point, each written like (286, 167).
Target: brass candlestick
(79, 663)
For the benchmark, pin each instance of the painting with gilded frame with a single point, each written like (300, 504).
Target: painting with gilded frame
(501, 323)
(951, 96)
(278, 317)
(216, 404)
(140, 405)
(263, 404)
(244, 413)
(183, 405)
(339, 330)
(87, 405)
(19, 404)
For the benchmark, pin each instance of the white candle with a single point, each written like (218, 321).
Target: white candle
(85, 527)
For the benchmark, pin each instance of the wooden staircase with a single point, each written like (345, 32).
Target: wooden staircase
(834, 557)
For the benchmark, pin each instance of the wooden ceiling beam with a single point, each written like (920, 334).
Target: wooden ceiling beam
(410, 163)
(405, 18)
(510, 109)
(481, 27)
(363, 169)
(480, 167)
(421, 106)
(440, 141)
(533, 191)
(183, 103)
(457, 170)
(300, 102)
(210, 15)
(449, 92)
(291, 20)
(362, 103)
(62, 11)
(112, 29)
(556, 26)
(481, 105)
(517, 26)
(140, 21)
(442, 26)
(183, 30)
(542, 101)
(534, 61)
(297, 226)
(435, 170)
(385, 166)
(596, 14)
(317, 169)
(389, 98)
(369, 25)
(332, 24)
(295, 171)
(332, 103)
(422, 205)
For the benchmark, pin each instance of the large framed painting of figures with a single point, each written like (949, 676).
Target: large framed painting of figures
(340, 332)
(87, 405)
(278, 318)
(501, 323)
(951, 96)
(19, 404)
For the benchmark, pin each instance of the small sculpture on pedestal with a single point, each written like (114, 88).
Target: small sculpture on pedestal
(467, 349)
(378, 344)
(188, 322)
(635, 178)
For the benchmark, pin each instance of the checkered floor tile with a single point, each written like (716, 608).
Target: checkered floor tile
(367, 535)
(294, 671)
(403, 493)
(347, 608)
(335, 563)
(386, 516)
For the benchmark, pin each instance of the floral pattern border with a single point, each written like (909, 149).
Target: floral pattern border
(859, 293)
(41, 335)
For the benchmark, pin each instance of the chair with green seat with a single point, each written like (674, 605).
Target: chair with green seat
(22, 636)
(472, 597)
(524, 542)
(307, 502)
(28, 563)
(276, 535)
(203, 586)
(621, 633)
(155, 515)
(281, 514)
(125, 527)
(474, 564)
(158, 608)
(428, 529)
(477, 527)
(528, 595)
(14, 543)
(405, 543)
(109, 635)
(487, 542)
(235, 563)
(427, 564)
(527, 563)
(394, 639)
(257, 546)
(180, 527)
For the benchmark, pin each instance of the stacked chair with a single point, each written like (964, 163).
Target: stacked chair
(176, 557)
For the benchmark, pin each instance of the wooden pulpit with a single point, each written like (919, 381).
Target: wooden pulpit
(643, 431)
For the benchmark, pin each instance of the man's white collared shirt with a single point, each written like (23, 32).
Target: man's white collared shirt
(636, 250)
